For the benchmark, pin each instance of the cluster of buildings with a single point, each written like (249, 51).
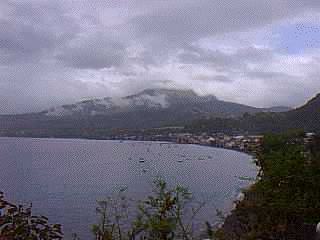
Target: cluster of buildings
(240, 142)
(246, 143)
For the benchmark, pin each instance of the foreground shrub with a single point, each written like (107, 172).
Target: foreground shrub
(18, 223)
(162, 215)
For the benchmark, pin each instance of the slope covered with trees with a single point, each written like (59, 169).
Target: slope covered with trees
(285, 200)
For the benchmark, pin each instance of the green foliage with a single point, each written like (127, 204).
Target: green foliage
(160, 216)
(112, 212)
(284, 175)
(18, 223)
(288, 182)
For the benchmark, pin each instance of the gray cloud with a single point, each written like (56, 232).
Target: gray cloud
(24, 44)
(218, 78)
(256, 55)
(202, 56)
(188, 22)
(46, 45)
(94, 51)
(226, 62)
(133, 86)
(165, 30)
(266, 75)
(30, 29)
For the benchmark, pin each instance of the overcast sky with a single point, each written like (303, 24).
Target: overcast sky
(260, 53)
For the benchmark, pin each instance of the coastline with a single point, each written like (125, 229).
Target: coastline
(171, 141)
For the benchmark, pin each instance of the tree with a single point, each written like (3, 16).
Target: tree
(18, 223)
(112, 211)
(160, 216)
(287, 189)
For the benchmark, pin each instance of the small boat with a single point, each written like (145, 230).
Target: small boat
(141, 160)
(179, 161)
(245, 178)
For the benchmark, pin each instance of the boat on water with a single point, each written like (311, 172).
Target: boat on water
(246, 178)
(179, 161)
(141, 160)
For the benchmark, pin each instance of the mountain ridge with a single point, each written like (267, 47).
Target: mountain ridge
(146, 109)
(159, 98)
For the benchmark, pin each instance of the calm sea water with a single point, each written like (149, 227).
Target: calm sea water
(64, 177)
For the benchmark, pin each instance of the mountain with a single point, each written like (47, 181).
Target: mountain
(149, 108)
(312, 106)
(278, 109)
(185, 101)
(306, 117)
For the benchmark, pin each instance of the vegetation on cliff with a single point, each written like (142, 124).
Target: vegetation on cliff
(286, 193)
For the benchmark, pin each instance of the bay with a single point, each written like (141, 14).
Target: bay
(64, 177)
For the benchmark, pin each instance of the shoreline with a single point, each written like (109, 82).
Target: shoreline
(131, 140)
